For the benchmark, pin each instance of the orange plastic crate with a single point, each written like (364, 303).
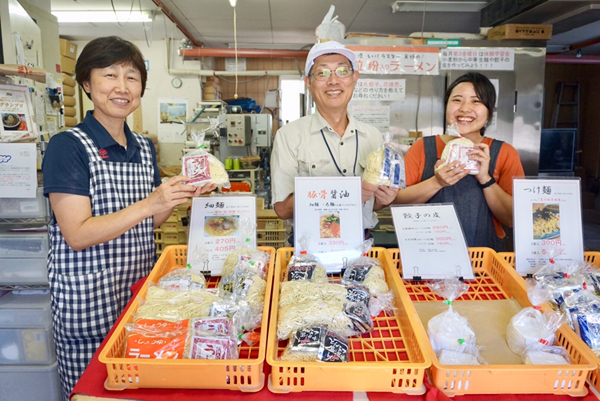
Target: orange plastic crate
(391, 358)
(594, 376)
(496, 279)
(244, 374)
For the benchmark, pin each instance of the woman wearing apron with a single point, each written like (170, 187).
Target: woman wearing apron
(483, 202)
(107, 198)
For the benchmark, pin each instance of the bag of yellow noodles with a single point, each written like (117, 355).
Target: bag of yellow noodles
(385, 166)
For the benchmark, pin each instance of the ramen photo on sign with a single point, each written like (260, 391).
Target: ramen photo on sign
(220, 226)
(329, 225)
(546, 221)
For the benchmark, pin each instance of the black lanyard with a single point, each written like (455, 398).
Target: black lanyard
(333, 158)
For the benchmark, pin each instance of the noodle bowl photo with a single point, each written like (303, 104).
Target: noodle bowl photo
(220, 226)
(329, 225)
(11, 121)
(546, 221)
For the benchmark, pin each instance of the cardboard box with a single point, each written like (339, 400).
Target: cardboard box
(68, 49)
(67, 65)
(521, 31)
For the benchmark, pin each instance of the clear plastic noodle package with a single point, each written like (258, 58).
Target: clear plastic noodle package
(385, 166)
(583, 313)
(458, 149)
(203, 167)
(450, 331)
(244, 253)
(305, 266)
(530, 327)
(316, 343)
(182, 279)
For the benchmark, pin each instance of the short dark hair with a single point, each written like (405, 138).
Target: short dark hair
(106, 51)
(483, 88)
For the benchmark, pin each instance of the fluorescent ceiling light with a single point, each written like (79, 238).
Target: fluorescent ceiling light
(100, 16)
(438, 6)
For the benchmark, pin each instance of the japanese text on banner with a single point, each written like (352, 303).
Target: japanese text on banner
(478, 59)
(406, 60)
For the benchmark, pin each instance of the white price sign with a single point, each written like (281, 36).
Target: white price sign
(547, 215)
(431, 242)
(327, 215)
(220, 225)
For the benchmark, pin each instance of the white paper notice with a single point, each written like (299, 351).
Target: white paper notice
(431, 242)
(547, 215)
(328, 213)
(377, 116)
(171, 119)
(499, 59)
(18, 170)
(217, 228)
(380, 89)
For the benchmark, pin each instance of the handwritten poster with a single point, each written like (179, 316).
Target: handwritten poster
(498, 59)
(380, 89)
(328, 219)
(547, 216)
(18, 170)
(409, 60)
(16, 112)
(219, 225)
(431, 242)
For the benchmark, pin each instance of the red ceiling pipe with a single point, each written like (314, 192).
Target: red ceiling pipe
(259, 53)
(564, 59)
(179, 25)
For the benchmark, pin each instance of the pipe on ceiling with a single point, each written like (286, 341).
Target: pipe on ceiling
(174, 20)
(565, 59)
(210, 73)
(261, 53)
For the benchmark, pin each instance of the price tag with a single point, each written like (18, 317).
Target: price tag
(217, 229)
(547, 216)
(431, 242)
(328, 212)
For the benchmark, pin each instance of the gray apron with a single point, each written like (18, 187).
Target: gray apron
(90, 288)
(473, 212)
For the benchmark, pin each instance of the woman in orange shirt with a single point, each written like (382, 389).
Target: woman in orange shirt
(483, 202)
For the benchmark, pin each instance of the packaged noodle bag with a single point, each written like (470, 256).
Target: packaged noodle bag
(385, 166)
(458, 149)
(203, 167)
(253, 257)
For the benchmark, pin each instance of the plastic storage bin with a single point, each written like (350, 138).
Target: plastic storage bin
(22, 244)
(26, 330)
(244, 374)
(594, 259)
(496, 279)
(24, 271)
(28, 383)
(24, 208)
(391, 358)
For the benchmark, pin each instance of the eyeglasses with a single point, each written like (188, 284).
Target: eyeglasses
(324, 73)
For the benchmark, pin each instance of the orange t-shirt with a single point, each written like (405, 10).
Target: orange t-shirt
(508, 166)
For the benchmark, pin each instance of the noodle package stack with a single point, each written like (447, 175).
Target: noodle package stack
(316, 343)
(203, 167)
(385, 166)
(458, 149)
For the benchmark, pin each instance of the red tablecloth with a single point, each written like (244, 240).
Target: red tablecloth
(91, 384)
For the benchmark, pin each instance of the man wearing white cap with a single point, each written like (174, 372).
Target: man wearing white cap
(329, 142)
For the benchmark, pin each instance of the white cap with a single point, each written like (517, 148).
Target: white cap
(330, 47)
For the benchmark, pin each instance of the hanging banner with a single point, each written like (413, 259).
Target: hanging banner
(492, 59)
(380, 89)
(547, 216)
(328, 218)
(407, 60)
(431, 242)
(218, 226)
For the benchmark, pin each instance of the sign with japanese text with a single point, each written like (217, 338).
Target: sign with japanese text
(377, 116)
(431, 242)
(220, 225)
(328, 219)
(18, 171)
(16, 112)
(547, 216)
(380, 89)
(408, 60)
(497, 59)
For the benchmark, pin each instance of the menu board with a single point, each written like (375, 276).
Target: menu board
(431, 242)
(220, 225)
(328, 219)
(547, 216)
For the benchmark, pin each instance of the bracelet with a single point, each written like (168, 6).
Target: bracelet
(491, 182)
